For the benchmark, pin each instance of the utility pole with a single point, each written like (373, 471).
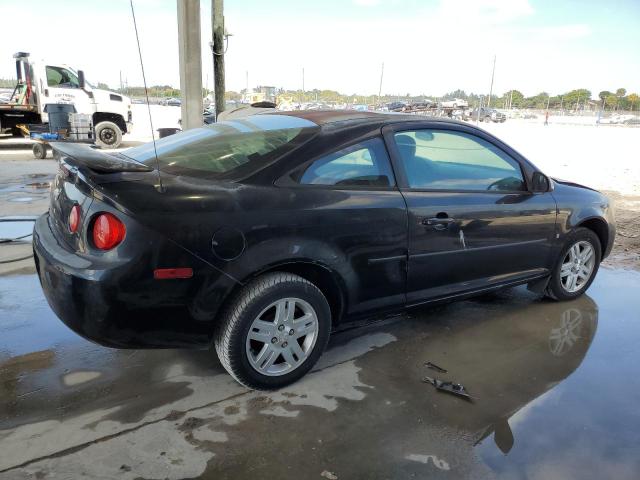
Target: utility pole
(380, 87)
(492, 74)
(190, 58)
(217, 48)
(511, 99)
(303, 80)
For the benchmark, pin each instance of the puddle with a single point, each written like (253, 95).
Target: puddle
(15, 229)
(34, 184)
(555, 386)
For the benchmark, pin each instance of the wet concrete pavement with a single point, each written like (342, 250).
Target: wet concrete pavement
(555, 388)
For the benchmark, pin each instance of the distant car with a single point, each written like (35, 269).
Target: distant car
(423, 105)
(263, 234)
(618, 119)
(396, 106)
(174, 102)
(632, 121)
(485, 114)
(455, 103)
(138, 101)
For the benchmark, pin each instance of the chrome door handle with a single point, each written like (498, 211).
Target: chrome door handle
(437, 221)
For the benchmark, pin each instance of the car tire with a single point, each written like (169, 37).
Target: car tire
(560, 286)
(250, 342)
(39, 151)
(108, 135)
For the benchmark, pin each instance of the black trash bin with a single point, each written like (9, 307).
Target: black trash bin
(59, 115)
(165, 132)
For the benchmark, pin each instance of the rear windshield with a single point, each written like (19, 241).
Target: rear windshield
(228, 150)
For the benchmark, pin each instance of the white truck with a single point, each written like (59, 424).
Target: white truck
(41, 83)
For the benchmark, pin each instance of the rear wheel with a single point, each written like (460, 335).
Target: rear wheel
(108, 135)
(576, 267)
(274, 331)
(39, 150)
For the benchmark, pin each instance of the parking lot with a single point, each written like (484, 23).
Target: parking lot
(554, 385)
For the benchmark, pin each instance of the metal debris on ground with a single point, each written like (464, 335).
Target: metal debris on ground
(449, 387)
(329, 475)
(435, 367)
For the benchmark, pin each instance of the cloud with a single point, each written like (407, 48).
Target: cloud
(484, 11)
(565, 32)
(366, 3)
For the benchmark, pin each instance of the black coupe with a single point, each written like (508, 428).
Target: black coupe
(261, 235)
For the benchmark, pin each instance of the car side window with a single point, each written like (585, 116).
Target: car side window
(363, 164)
(450, 160)
(61, 77)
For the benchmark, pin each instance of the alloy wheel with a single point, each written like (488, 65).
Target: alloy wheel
(282, 337)
(577, 266)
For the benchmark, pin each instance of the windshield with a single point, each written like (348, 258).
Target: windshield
(227, 150)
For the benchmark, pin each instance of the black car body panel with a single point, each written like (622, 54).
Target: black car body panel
(369, 248)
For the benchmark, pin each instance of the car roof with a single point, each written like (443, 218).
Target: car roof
(349, 118)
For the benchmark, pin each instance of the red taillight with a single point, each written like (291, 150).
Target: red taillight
(74, 219)
(108, 231)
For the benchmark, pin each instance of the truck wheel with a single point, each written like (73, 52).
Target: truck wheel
(108, 135)
(274, 331)
(39, 151)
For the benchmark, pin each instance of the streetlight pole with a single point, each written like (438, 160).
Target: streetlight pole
(380, 87)
(493, 71)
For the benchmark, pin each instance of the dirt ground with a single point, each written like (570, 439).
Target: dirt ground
(626, 249)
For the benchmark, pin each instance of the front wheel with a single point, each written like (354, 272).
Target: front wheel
(274, 331)
(108, 135)
(576, 267)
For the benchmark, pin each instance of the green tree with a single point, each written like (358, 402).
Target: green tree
(611, 101)
(620, 93)
(632, 99)
(603, 96)
(576, 98)
(7, 82)
(515, 97)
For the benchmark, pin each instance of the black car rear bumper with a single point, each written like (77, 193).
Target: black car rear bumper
(117, 305)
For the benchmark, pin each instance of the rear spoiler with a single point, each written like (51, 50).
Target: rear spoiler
(88, 156)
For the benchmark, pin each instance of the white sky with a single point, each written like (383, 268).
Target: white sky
(430, 46)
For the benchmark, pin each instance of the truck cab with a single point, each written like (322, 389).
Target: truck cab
(42, 83)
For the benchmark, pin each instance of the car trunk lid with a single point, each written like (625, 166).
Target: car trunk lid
(80, 170)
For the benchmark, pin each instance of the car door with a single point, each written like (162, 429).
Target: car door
(348, 204)
(63, 86)
(473, 222)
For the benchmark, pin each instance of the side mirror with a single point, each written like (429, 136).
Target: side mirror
(81, 81)
(539, 182)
